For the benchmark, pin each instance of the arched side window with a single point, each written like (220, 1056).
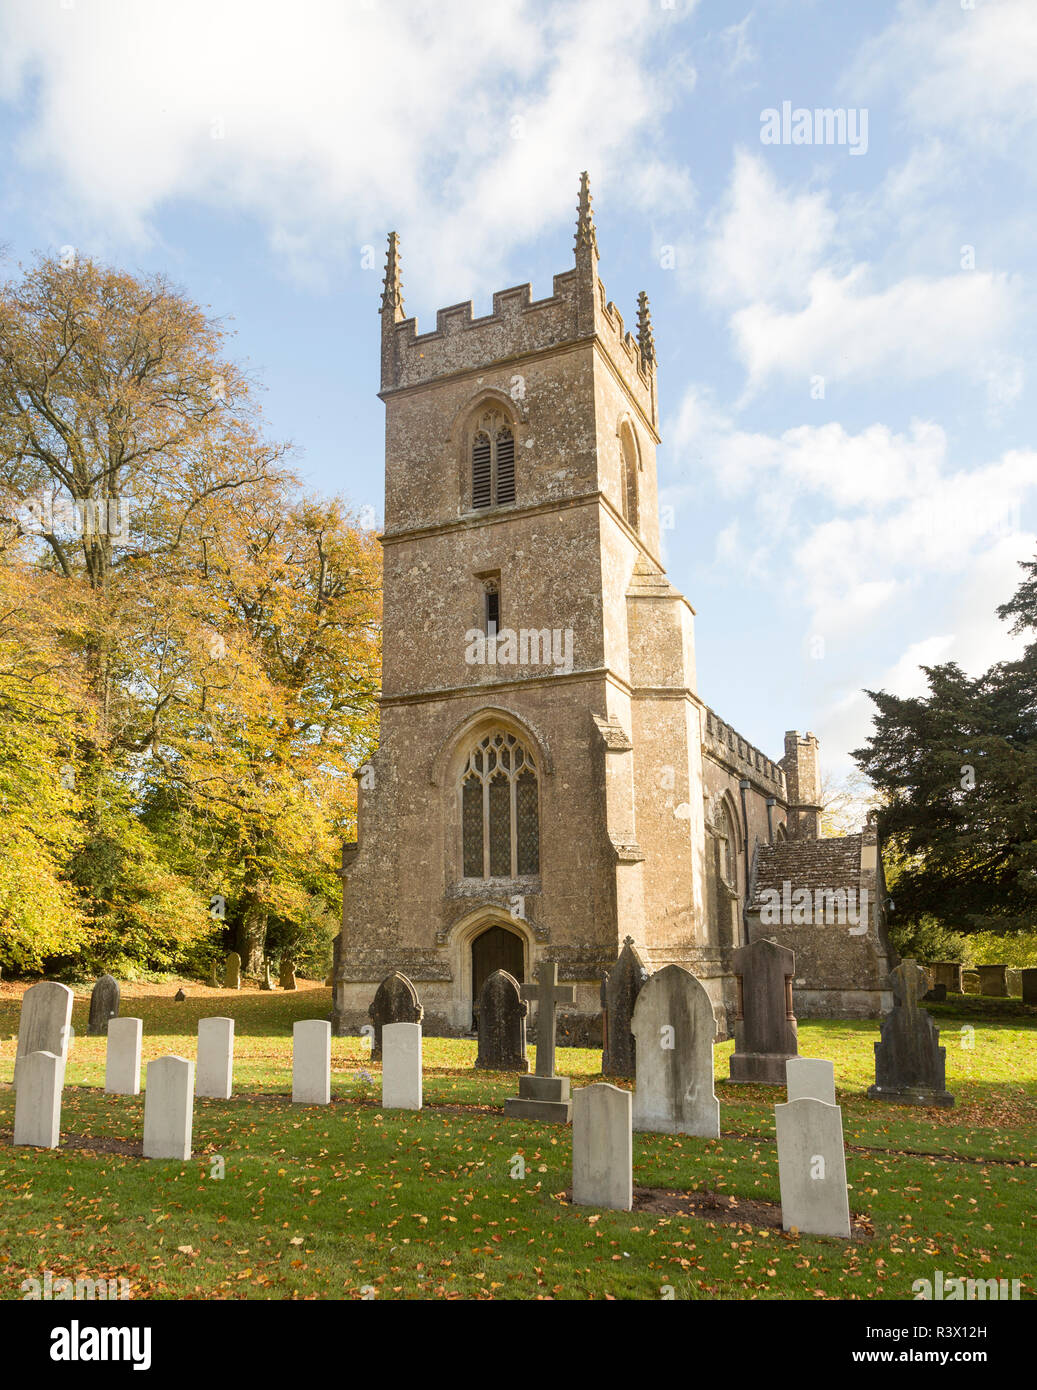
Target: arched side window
(629, 478)
(728, 846)
(493, 460)
(500, 819)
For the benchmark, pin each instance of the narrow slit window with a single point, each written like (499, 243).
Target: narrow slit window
(492, 612)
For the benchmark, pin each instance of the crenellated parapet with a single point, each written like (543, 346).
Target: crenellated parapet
(577, 310)
(726, 745)
(518, 325)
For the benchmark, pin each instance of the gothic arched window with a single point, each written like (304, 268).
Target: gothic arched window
(493, 461)
(629, 478)
(500, 820)
(728, 847)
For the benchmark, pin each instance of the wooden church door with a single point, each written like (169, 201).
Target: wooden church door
(495, 949)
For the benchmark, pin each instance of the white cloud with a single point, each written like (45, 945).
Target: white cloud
(869, 469)
(975, 641)
(764, 243)
(860, 523)
(329, 121)
(918, 328)
(969, 72)
(737, 47)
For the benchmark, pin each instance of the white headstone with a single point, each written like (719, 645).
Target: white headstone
(812, 1168)
(674, 1028)
(168, 1108)
(401, 1066)
(45, 1023)
(603, 1147)
(122, 1063)
(810, 1078)
(215, 1058)
(37, 1106)
(311, 1062)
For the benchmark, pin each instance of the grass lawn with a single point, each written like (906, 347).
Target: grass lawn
(345, 1201)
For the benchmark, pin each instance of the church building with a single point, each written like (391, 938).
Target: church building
(548, 781)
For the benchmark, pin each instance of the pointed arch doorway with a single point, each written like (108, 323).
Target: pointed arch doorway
(496, 948)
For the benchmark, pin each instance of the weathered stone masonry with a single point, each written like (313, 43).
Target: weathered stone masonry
(517, 812)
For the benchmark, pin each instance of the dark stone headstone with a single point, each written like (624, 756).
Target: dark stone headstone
(936, 995)
(179, 997)
(993, 980)
(287, 978)
(214, 975)
(232, 972)
(395, 1001)
(910, 1065)
(623, 985)
(502, 1025)
(1029, 978)
(765, 1026)
(104, 1004)
(948, 972)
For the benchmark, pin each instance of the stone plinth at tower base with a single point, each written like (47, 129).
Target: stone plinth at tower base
(543, 1098)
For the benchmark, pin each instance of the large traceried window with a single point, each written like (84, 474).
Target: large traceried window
(500, 821)
(493, 461)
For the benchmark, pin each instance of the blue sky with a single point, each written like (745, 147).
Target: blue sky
(845, 336)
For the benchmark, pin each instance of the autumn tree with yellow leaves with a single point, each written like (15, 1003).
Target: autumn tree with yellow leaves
(188, 645)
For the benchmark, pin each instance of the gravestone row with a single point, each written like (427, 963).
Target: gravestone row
(232, 974)
(671, 1036)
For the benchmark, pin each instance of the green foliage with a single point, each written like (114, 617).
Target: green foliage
(141, 913)
(927, 940)
(182, 704)
(956, 771)
(1017, 949)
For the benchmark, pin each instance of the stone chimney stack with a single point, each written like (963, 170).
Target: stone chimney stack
(802, 765)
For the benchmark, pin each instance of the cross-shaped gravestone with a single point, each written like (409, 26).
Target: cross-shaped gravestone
(547, 994)
(544, 1096)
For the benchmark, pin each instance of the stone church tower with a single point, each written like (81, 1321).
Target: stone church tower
(548, 781)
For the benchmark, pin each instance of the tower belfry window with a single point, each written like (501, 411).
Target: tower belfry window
(493, 462)
(482, 471)
(505, 466)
